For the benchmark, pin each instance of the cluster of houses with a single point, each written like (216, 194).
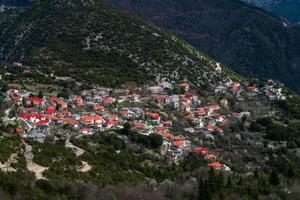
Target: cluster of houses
(100, 109)
(270, 90)
(212, 158)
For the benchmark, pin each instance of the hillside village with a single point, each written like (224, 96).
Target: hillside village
(147, 109)
(96, 104)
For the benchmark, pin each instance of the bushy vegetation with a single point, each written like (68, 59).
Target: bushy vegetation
(152, 141)
(8, 146)
(289, 133)
(291, 106)
(47, 154)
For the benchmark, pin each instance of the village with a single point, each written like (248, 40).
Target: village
(92, 111)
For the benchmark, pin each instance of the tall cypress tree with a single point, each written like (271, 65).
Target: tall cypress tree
(200, 189)
(229, 182)
(204, 192)
(274, 179)
(212, 180)
(40, 94)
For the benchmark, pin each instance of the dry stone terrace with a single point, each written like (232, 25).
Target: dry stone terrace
(149, 110)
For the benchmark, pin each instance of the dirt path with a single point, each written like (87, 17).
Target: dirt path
(6, 167)
(77, 150)
(85, 167)
(31, 166)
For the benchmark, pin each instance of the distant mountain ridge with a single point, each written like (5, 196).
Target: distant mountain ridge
(249, 40)
(289, 9)
(15, 2)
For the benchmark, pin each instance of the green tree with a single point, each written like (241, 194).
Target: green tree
(212, 180)
(24, 103)
(274, 178)
(64, 94)
(40, 94)
(156, 140)
(57, 107)
(254, 127)
(264, 121)
(204, 192)
(229, 182)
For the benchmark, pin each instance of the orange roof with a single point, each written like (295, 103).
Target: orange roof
(97, 117)
(189, 117)
(50, 110)
(114, 116)
(84, 129)
(16, 97)
(251, 88)
(211, 156)
(87, 119)
(99, 107)
(179, 143)
(64, 112)
(185, 106)
(62, 103)
(80, 104)
(217, 129)
(124, 112)
(19, 130)
(179, 137)
(210, 127)
(168, 135)
(161, 128)
(78, 98)
(215, 164)
(201, 150)
(54, 98)
(52, 117)
(69, 121)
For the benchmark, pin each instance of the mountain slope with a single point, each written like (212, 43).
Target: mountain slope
(247, 39)
(289, 9)
(15, 2)
(93, 42)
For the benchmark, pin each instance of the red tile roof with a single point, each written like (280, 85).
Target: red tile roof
(215, 164)
(201, 150)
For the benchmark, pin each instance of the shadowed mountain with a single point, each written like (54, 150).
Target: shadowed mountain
(248, 39)
(289, 9)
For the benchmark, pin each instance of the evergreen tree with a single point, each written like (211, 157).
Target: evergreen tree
(40, 94)
(204, 192)
(24, 103)
(274, 179)
(126, 128)
(156, 140)
(200, 189)
(229, 182)
(220, 179)
(256, 174)
(207, 191)
(57, 107)
(290, 171)
(212, 179)
(240, 181)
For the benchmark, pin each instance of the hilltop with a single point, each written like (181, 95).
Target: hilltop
(94, 42)
(250, 40)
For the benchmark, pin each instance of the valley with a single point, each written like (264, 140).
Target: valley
(99, 104)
